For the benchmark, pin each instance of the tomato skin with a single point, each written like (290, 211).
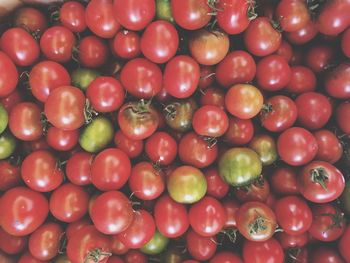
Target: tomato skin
(262, 252)
(22, 211)
(135, 256)
(93, 52)
(159, 41)
(260, 38)
(106, 94)
(134, 14)
(76, 226)
(62, 140)
(239, 131)
(302, 80)
(30, 18)
(192, 14)
(12, 244)
(161, 148)
(284, 181)
(57, 44)
(110, 169)
(44, 242)
(257, 191)
(325, 254)
(199, 247)
(132, 148)
(25, 121)
(345, 40)
(321, 182)
(292, 15)
(213, 96)
(216, 186)
(297, 146)
(292, 241)
(117, 246)
(64, 108)
(126, 44)
(112, 212)
(39, 171)
(29, 258)
(10, 175)
(342, 115)
(243, 101)
(344, 244)
(45, 76)
(99, 17)
(293, 215)
(141, 78)
(72, 16)
(337, 83)
(69, 203)
(329, 147)
(181, 76)
(225, 257)
(8, 75)
(303, 35)
(20, 46)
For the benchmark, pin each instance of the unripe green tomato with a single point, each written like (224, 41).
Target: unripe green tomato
(7, 145)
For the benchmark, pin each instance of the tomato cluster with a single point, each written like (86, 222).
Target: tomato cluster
(176, 131)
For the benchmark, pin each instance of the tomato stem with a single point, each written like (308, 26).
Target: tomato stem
(320, 176)
(96, 255)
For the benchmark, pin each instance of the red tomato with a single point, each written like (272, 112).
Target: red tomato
(69, 203)
(99, 17)
(181, 76)
(337, 82)
(22, 210)
(141, 78)
(40, 171)
(20, 46)
(297, 146)
(25, 121)
(159, 41)
(161, 148)
(126, 44)
(10, 175)
(76, 226)
(302, 80)
(231, 207)
(343, 244)
(216, 186)
(199, 247)
(110, 169)
(12, 99)
(293, 215)
(44, 242)
(46, 76)
(329, 147)
(30, 18)
(64, 108)
(345, 46)
(62, 140)
(134, 14)
(93, 52)
(304, 34)
(263, 252)
(135, 256)
(288, 241)
(319, 57)
(207, 76)
(112, 212)
(292, 15)
(29, 258)
(285, 50)
(78, 168)
(284, 181)
(117, 246)
(342, 116)
(132, 148)
(12, 244)
(239, 131)
(191, 14)
(321, 182)
(213, 96)
(225, 257)
(72, 16)
(257, 191)
(8, 75)
(325, 254)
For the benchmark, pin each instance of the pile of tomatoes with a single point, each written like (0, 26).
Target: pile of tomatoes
(176, 131)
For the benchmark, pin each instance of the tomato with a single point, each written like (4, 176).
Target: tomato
(319, 57)
(64, 108)
(12, 244)
(45, 241)
(302, 80)
(343, 244)
(345, 40)
(337, 82)
(45, 76)
(8, 75)
(40, 171)
(261, 38)
(135, 256)
(325, 254)
(256, 221)
(304, 34)
(9, 101)
(57, 44)
(321, 182)
(88, 245)
(179, 114)
(28, 258)
(134, 14)
(288, 241)
(112, 213)
(141, 78)
(284, 181)
(159, 41)
(117, 246)
(132, 148)
(69, 203)
(100, 18)
(186, 184)
(293, 215)
(209, 47)
(237, 67)
(161, 148)
(192, 14)
(163, 10)
(265, 147)
(342, 115)
(225, 257)
(115, 259)
(292, 15)
(30, 18)
(93, 52)
(62, 140)
(297, 146)
(10, 175)
(110, 169)
(240, 166)
(138, 119)
(78, 168)
(207, 217)
(76, 226)
(126, 44)
(262, 252)
(328, 223)
(239, 131)
(72, 16)
(25, 121)
(199, 247)
(333, 18)
(216, 186)
(8, 145)
(243, 101)
(213, 96)
(82, 77)
(22, 211)
(156, 245)
(207, 76)
(329, 147)
(140, 231)
(181, 76)
(257, 191)
(171, 218)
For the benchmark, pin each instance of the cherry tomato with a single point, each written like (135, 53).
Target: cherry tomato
(213, 96)
(30, 18)
(76, 226)
(304, 34)
(28, 258)
(62, 140)
(135, 256)
(225, 256)
(302, 80)
(72, 16)
(161, 148)
(12, 244)
(132, 148)
(239, 131)
(325, 254)
(126, 44)
(329, 147)
(345, 43)
(343, 244)
(342, 115)
(231, 207)
(8, 75)
(288, 241)
(10, 175)
(199, 247)
(117, 246)
(338, 82)
(216, 186)
(284, 181)
(257, 191)
(93, 52)
(262, 252)
(292, 15)
(207, 76)
(319, 57)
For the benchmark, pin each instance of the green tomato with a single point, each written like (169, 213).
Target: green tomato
(163, 10)
(4, 118)
(156, 245)
(186, 184)
(96, 135)
(240, 166)
(82, 77)
(7, 145)
(265, 146)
